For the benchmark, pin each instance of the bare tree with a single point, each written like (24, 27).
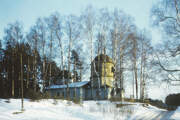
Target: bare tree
(89, 25)
(134, 54)
(121, 30)
(103, 24)
(73, 33)
(33, 39)
(22, 82)
(165, 14)
(57, 23)
(51, 36)
(145, 51)
(42, 36)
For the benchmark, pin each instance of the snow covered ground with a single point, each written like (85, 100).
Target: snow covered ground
(88, 110)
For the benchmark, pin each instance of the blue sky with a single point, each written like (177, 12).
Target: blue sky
(27, 11)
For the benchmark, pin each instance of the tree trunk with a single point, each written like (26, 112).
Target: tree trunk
(12, 73)
(135, 72)
(135, 66)
(80, 74)
(141, 74)
(133, 84)
(74, 69)
(44, 74)
(114, 55)
(50, 65)
(28, 73)
(105, 78)
(61, 51)
(13, 80)
(50, 69)
(121, 69)
(92, 84)
(35, 71)
(22, 92)
(69, 53)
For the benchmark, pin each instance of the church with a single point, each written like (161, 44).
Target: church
(100, 86)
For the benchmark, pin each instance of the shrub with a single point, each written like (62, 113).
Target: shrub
(158, 103)
(31, 94)
(173, 99)
(113, 99)
(46, 95)
(76, 101)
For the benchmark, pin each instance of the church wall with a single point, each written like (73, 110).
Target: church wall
(82, 93)
(105, 73)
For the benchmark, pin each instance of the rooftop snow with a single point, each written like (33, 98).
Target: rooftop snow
(71, 85)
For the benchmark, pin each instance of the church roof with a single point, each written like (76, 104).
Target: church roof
(71, 85)
(103, 58)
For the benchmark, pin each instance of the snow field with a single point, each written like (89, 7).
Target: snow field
(88, 110)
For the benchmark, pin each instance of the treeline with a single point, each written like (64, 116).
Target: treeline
(11, 74)
(73, 42)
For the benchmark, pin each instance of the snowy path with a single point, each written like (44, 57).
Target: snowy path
(163, 115)
(152, 113)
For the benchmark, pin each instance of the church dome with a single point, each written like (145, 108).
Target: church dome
(102, 71)
(103, 58)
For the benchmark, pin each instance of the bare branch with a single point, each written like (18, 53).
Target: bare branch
(177, 11)
(165, 69)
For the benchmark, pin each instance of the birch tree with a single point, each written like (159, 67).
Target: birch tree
(73, 33)
(33, 39)
(103, 24)
(58, 27)
(89, 18)
(121, 30)
(51, 36)
(145, 61)
(134, 59)
(42, 41)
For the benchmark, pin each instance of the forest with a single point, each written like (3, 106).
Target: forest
(58, 45)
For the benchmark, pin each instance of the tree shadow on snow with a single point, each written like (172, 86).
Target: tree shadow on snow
(164, 115)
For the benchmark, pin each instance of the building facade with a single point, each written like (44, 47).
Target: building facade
(100, 86)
